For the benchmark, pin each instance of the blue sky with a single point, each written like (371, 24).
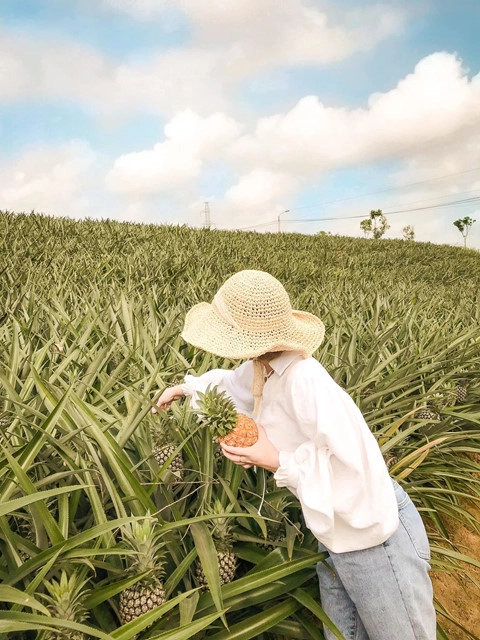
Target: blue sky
(315, 112)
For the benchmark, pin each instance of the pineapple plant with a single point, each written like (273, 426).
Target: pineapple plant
(164, 449)
(222, 537)
(274, 510)
(218, 411)
(65, 601)
(148, 593)
(453, 394)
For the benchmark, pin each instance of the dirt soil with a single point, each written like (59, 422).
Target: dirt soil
(460, 596)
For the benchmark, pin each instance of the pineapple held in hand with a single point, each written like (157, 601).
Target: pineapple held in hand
(218, 411)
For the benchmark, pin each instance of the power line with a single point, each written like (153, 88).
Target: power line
(459, 202)
(404, 186)
(389, 213)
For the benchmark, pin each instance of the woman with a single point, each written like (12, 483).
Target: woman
(315, 440)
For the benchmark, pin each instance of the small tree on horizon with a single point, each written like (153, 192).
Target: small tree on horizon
(408, 232)
(376, 224)
(464, 225)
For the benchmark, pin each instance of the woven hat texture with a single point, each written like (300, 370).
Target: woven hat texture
(250, 315)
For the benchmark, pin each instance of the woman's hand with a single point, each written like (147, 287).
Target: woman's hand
(168, 396)
(261, 454)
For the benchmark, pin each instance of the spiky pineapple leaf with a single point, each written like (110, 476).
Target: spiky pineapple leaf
(312, 605)
(188, 631)
(257, 624)
(13, 621)
(10, 594)
(207, 554)
(19, 503)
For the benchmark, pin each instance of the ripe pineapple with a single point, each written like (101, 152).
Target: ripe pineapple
(222, 537)
(218, 411)
(147, 593)
(65, 601)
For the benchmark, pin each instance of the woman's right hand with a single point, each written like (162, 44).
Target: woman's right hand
(168, 396)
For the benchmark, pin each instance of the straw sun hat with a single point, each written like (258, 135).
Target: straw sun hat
(250, 315)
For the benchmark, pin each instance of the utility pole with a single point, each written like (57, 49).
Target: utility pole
(278, 218)
(206, 212)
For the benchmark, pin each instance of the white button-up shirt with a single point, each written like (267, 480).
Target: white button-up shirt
(329, 458)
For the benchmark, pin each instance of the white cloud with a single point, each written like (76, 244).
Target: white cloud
(191, 141)
(141, 9)
(60, 70)
(260, 188)
(231, 40)
(250, 36)
(435, 101)
(51, 180)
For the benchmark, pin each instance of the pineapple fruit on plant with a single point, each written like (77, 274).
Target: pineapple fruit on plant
(274, 510)
(221, 530)
(428, 413)
(143, 538)
(453, 394)
(65, 601)
(217, 410)
(164, 448)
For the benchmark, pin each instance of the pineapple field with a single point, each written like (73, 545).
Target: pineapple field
(118, 523)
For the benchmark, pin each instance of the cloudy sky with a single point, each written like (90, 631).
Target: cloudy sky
(303, 114)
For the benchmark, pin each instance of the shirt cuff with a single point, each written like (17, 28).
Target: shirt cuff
(287, 473)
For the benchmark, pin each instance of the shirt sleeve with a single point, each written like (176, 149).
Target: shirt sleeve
(338, 472)
(237, 383)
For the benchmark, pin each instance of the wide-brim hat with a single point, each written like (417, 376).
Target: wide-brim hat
(250, 315)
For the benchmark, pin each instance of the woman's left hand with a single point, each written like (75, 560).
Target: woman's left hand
(261, 454)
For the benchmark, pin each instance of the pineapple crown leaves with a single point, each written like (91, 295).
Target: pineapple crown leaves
(221, 522)
(143, 538)
(66, 596)
(164, 432)
(274, 508)
(217, 410)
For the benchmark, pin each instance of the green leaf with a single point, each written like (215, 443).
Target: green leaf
(312, 605)
(207, 555)
(11, 621)
(19, 503)
(188, 631)
(253, 626)
(10, 594)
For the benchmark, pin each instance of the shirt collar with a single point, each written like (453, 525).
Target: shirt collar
(282, 362)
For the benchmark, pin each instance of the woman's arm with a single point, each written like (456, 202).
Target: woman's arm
(167, 397)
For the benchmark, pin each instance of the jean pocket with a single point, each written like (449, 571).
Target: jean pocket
(413, 524)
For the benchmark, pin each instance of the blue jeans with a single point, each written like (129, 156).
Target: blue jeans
(384, 592)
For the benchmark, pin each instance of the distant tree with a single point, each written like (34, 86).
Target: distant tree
(366, 227)
(464, 225)
(408, 232)
(376, 224)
